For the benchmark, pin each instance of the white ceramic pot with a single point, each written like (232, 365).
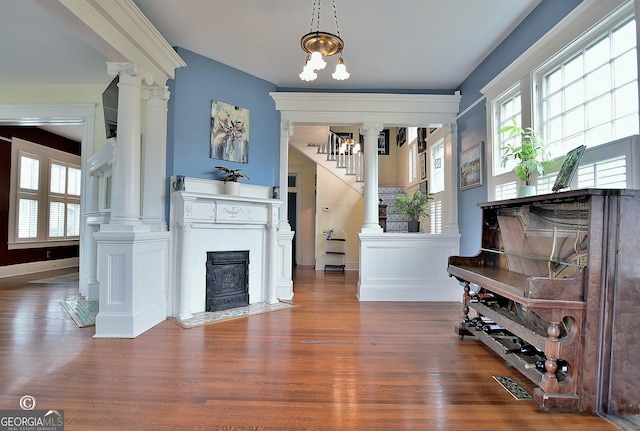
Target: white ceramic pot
(232, 188)
(524, 191)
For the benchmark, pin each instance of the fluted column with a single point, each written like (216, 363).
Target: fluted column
(125, 201)
(371, 131)
(154, 158)
(286, 130)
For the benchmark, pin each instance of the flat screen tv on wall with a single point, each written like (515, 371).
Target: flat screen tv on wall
(110, 108)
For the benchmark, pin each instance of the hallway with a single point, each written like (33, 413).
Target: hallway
(331, 363)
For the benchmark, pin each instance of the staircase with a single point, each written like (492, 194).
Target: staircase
(395, 222)
(348, 166)
(345, 163)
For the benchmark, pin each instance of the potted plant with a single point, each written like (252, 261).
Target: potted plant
(328, 233)
(415, 205)
(232, 178)
(530, 155)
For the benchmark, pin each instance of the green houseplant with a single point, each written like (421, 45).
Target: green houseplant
(530, 154)
(233, 175)
(231, 178)
(414, 205)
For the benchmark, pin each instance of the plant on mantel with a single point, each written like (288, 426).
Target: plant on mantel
(232, 175)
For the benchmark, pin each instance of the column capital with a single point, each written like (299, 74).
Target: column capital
(371, 127)
(130, 68)
(159, 92)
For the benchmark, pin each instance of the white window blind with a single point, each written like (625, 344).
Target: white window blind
(58, 182)
(73, 187)
(435, 215)
(27, 218)
(29, 173)
(73, 220)
(610, 173)
(56, 219)
(508, 190)
(413, 162)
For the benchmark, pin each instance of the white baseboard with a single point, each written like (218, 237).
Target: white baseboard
(33, 267)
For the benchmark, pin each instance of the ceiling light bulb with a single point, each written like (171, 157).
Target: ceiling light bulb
(341, 71)
(316, 61)
(356, 148)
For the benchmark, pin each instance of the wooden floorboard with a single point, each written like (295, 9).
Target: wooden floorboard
(331, 363)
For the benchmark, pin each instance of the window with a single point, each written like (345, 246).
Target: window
(509, 107)
(45, 196)
(590, 95)
(436, 184)
(586, 93)
(436, 168)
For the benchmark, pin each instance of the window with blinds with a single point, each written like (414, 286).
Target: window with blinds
(44, 196)
(585, 94)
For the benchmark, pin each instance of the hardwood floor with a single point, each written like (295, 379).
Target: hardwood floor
(331, 363)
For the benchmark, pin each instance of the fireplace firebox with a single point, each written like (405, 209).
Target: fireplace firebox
(227, 280)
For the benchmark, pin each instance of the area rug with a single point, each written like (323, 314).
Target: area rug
(66, 278)
(208, 317)
(513, 387)
(82, 312)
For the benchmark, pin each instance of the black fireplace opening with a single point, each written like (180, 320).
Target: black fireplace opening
(227, 280)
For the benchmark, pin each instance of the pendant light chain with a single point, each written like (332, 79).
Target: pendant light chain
(335, 15)
(316, 7)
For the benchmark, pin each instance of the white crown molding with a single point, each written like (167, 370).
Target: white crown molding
(356, 108)
(119, 30)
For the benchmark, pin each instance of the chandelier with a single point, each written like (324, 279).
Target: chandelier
(319, 44)
(349, 146)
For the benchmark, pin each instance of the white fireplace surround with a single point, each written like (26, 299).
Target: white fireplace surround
(205, 219)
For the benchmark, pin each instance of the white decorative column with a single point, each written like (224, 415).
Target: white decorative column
(132, 260)
(371, 131)
(286, 130)
(284, 234)
(155, 158)
(125, 202)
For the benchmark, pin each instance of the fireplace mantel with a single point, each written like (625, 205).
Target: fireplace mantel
(203, 219)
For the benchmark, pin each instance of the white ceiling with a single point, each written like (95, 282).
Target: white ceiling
(389, 45)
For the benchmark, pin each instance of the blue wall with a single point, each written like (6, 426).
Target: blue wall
(189, 120)
(472, 126)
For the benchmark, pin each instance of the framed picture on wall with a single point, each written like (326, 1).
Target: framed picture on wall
(424, 187)
(423, 166)
(383, 143)
(229, 132)
(401, 138)
(422, 139)
(471, 167)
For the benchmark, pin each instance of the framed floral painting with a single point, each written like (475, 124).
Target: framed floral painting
(229, 132)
